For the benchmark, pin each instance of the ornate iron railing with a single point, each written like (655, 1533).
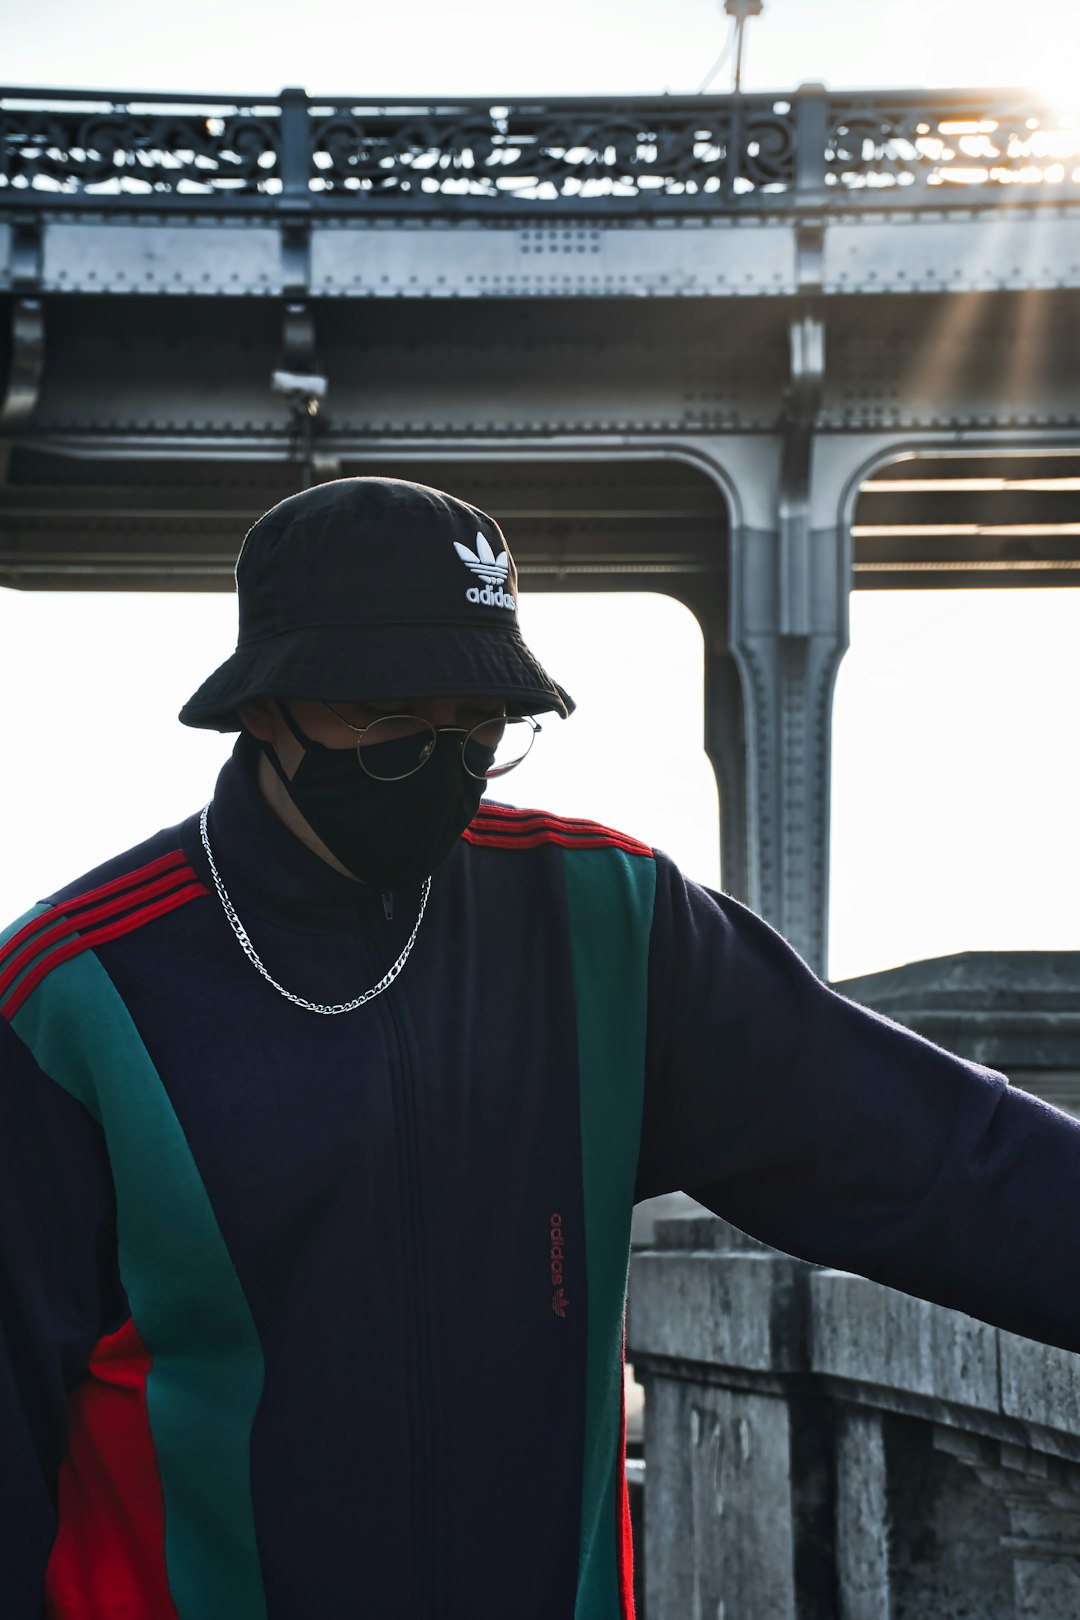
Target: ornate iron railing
(671, 153)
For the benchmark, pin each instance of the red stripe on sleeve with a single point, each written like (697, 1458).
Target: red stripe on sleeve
(506, 825)
(551, 835)
(61, 926)
(129, 880)
(97, 936)
(176, 860)
(109, 1553)
(517, 812)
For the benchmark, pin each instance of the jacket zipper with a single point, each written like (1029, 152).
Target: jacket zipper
(421, 1417)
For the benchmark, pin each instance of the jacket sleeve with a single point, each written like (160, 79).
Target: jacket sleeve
(836, 1135)
(59, 1292)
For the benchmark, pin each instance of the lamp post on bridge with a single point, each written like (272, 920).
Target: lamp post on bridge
(741, 11)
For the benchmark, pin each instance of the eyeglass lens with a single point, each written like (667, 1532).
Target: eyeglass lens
(397, 745)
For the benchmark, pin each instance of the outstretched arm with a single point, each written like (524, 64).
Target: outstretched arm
(835, 1135)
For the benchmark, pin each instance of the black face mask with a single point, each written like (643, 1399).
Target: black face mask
(391, 835)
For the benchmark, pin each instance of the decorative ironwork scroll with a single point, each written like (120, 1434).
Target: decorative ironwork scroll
(964, 143)
(701, 154)
(598, 151)
(130, 152)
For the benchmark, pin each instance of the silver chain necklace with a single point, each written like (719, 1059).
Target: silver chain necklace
(256, 961)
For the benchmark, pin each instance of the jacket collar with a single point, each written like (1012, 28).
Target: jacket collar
(265, 867)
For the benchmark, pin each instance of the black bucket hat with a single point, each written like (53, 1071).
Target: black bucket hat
(375, 588)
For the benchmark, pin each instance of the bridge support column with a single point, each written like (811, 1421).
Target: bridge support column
(769, 676)
(768, 713)
(787, 684)
(786, 632)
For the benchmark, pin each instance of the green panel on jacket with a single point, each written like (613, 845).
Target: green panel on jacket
(610, 899)
(185, 1298)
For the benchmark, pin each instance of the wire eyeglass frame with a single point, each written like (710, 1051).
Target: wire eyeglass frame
(467, 735)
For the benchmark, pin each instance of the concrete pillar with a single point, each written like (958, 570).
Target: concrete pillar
(718, 1526)
(730, 1469)
(862, 1517)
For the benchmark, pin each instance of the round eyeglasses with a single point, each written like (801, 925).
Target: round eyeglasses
(397, 745)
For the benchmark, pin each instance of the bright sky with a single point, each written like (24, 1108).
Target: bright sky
(563, 47)
(956, 779)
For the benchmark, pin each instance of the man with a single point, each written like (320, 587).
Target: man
(323, 1114)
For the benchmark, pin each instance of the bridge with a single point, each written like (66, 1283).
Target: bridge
(753, 351)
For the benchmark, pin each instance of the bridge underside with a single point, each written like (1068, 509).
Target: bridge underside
(159, 522)
(173, 520)
(600, 431)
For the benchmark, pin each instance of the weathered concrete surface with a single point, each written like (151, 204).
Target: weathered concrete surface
(822, 1448)
(722, 1456)
(862, 1553)
(876, 1336)
(946, 1531)
(721, 1314)
(1040, 1384)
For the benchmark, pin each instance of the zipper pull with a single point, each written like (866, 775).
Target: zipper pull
(388, 906)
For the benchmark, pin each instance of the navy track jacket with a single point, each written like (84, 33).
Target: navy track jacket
(310, 1315)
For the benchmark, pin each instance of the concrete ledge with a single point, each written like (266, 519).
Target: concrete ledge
(821, 1447)
(1040, 1384)
(717, 1308)
(862, 1331)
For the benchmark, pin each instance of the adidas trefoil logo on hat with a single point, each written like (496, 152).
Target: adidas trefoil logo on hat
(491, 569)
(494, 571)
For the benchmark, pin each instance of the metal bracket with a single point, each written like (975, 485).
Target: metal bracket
(295, 256)
(301, 379)
(27, 253)
(20, 397)
(810, 254)
(27, 362)
(801, 406)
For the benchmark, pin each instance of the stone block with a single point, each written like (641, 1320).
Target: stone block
(697, 1228)
(862, 1551)
(875, 1335)
(729, 1309)
(1040, 1384)
(718, 1519)
(666, 1207)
